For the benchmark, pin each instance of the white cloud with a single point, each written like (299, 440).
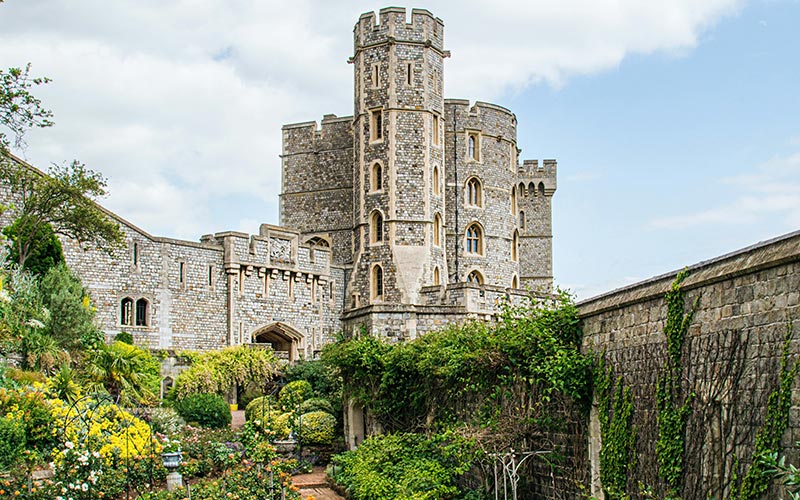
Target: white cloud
(182, 102)
(772, 191)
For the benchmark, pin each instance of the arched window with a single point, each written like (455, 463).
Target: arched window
(473, 147)
(514, 199)
(436, 276)
(436, 188)
(514, 282)
(437, 230)
(126, 312)
(376, 227)
(474, 239)
(475, 277)
(376, 177)
(474, 192)
(541, 189)
(141, 312)
(515, 246)
(521, 219)
(377, 282)
(532, 189)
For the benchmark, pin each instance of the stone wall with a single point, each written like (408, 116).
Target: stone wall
(746, 302)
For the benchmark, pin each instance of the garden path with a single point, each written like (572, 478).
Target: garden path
(315, 484)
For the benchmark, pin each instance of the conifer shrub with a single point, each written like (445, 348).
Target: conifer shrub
(207, 410)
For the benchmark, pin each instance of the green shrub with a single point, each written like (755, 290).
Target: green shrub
(405, 466)
(124, 337)
(12, 442)
(282, 425)
(316, 404)
(294, 393)
(207, 410)
(317, 427)
(258, 408)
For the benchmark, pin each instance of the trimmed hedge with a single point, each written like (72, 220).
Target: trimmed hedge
(317, 427)
(207, 410)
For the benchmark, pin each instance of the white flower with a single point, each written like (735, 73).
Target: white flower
(69, 445)
(35, 323)
(5, 296)
(95, 454)
(85, 487)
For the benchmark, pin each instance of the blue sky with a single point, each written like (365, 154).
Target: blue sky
(675, 124)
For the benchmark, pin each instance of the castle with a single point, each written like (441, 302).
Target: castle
(413, 213)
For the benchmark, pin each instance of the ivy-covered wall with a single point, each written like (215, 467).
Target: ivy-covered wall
(725, 370)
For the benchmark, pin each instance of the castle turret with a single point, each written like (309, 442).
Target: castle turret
(398, 149)
(535, 189)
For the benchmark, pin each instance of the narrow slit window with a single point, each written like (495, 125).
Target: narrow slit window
(376, 76)
(182, 273)
(435, 129)
(376, 125)
(210, 275)
(409, 74)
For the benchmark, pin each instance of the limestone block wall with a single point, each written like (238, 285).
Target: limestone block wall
(494, 130)
(747, 301)
(534, 192)
(317, 181)
(183, 311)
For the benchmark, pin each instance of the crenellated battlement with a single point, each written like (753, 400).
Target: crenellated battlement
(487, 118)
(391, 25)
(531, 174)
(333, 132)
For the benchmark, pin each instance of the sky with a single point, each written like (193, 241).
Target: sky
(676, 125)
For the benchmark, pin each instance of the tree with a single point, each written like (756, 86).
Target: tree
(124, 371)
(19, 109)
(64, 199)
(45, 252)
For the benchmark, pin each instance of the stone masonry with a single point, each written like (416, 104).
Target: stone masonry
(376, 215)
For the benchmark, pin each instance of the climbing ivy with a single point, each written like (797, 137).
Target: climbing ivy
(615, 412)
(768, 439)
(672, 402)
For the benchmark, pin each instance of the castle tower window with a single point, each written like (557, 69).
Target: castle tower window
(514, 199)
(141, 312)
(475, 277)
(135, 254)
(521, 219)
(514, 282)
(376, 177)
(532, 189)
(376, 227)
(474, 192)
(541, 189)
(377, 282)
(473, 146)
(376, 76)
(241, 280)
(436, 138)
(436, 181)
(474, 240)
(515, 246)
(210, 275)
(409, 74)
(437, 230)
(436, 276)
(376, 125)
(182, 273)
(126, 312)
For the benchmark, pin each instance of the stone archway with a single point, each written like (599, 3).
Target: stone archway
(285, 340)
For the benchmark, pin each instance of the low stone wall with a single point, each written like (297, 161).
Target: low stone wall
(747, 301)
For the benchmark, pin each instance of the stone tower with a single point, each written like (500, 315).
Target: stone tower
(537, 184)
(398, 151)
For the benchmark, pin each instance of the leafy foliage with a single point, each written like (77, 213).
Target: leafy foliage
(317, 427)
(386, 467)
(129, 374)
(45, 251)
(673, 405)
(71, 314)
(63, 199)
(217, 371)
(768, 439)
(12, 441)
(19, 109)
(208, 410)
(476, 373)
(615, 412)
(294, 393)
